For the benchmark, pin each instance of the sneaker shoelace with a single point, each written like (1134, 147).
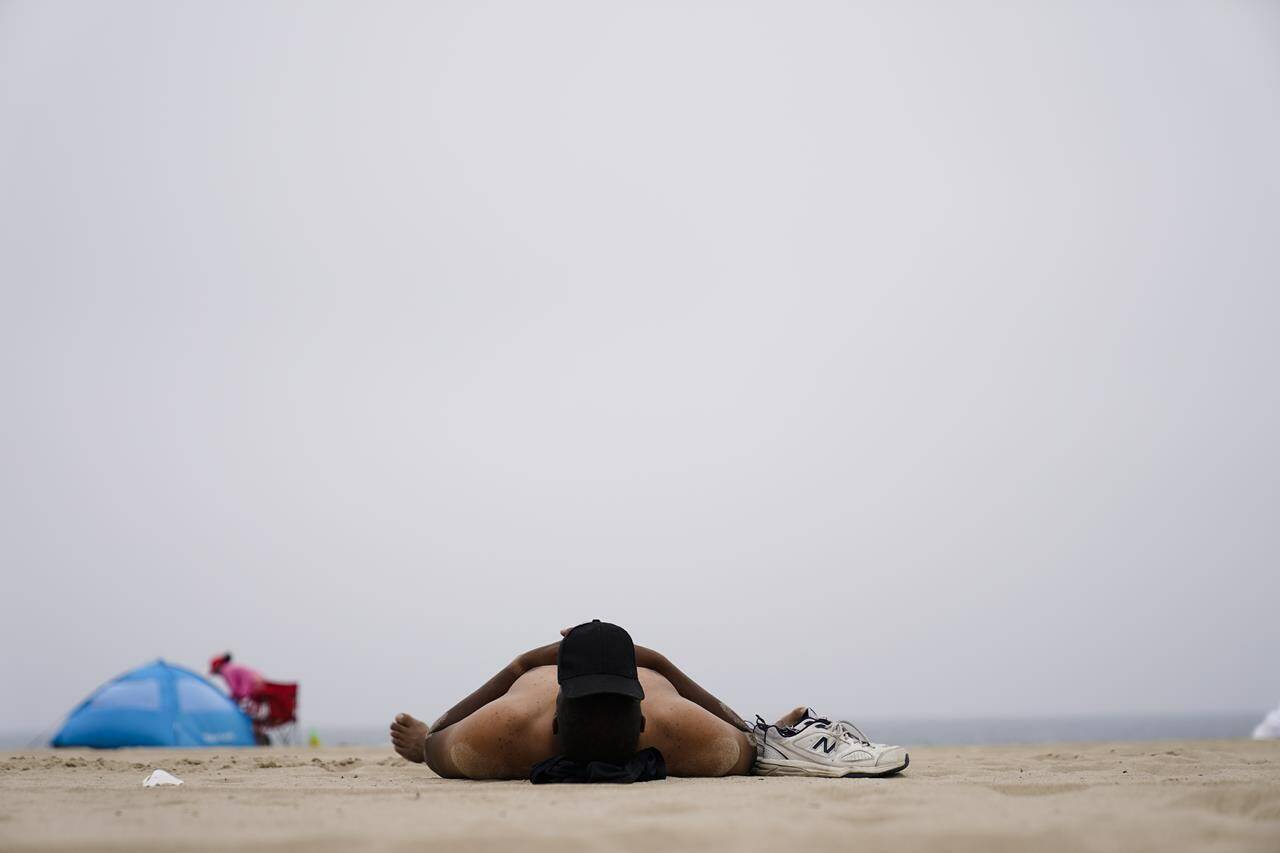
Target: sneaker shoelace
(840, 727)
(847, 728)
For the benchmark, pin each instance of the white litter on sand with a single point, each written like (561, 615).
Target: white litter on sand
(160, 777)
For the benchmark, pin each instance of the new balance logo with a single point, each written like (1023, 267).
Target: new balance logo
(823, 744)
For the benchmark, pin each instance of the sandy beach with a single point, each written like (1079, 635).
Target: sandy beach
(1184, 795)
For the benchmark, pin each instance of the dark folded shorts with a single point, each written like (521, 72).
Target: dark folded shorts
(647, 765)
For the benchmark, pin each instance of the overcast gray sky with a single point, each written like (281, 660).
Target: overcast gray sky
(891, 358)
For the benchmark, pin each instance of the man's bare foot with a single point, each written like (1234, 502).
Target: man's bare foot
(409, 737)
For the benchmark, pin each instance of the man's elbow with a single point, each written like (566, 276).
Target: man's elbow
(656, 661)
(518, 667)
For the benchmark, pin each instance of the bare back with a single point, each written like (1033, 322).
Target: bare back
(509, 735)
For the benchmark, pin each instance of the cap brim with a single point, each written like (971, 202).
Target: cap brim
(590, 685)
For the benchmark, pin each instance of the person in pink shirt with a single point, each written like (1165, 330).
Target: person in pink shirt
(243, 682)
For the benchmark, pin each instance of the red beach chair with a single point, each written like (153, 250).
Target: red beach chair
(274, 707)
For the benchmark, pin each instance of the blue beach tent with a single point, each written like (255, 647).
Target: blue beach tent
(156, 705)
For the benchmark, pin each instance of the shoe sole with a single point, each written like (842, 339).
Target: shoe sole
(796, 768)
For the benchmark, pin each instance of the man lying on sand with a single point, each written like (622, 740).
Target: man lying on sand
(608, 705)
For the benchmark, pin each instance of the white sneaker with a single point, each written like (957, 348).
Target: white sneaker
(816, 746)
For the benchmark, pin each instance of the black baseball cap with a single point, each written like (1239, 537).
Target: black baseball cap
(597, 657)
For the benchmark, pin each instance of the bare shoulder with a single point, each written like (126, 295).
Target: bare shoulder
(543, 678)
(538, 678)
(654, 681)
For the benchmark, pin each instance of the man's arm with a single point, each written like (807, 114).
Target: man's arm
(687, 687)
(649, 659)
(498, 685)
